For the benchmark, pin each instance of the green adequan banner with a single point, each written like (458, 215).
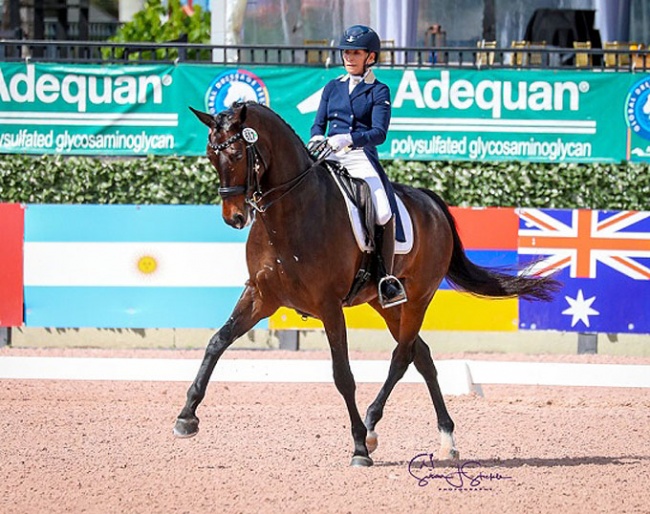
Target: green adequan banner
(534, 115)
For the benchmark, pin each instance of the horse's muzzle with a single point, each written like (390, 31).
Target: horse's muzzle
(238, 221)
(237, 218)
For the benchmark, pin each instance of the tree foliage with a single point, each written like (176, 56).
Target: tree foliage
(157, 23)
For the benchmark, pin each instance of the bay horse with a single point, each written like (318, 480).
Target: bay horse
(301, 253)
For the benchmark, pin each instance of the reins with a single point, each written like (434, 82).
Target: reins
(253, 167)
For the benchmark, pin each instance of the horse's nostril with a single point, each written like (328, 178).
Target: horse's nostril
(239, 220)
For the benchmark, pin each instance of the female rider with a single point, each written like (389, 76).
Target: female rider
(355, 110)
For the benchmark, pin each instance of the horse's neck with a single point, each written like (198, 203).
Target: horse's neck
(284, 168)
(307, 205)
(311, 205)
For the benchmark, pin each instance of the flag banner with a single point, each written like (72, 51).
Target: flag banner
(489, 236)
(11, 264)
(603, 260)
(490, 239)
(126, 266)
(437, 113)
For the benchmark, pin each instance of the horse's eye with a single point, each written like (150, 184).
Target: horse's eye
(235, 154)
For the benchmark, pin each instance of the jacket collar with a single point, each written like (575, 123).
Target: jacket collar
(369, 78)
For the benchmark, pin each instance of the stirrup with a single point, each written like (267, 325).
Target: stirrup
(398, 299)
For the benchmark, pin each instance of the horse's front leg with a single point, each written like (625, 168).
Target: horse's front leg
(334, 323)
(248, 311)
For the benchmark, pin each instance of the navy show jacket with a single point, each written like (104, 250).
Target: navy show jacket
(365, 115)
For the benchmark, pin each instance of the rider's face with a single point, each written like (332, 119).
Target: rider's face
(355, 61)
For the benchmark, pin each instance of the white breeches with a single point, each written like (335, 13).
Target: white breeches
(359, 166)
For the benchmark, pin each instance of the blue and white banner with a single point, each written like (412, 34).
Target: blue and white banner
(126, 266)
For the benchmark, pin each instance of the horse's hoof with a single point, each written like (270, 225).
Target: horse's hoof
(448, 454)
(372, 441)
(361, 461)
(184, 428)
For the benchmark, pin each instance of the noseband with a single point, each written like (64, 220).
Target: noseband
(254, 163)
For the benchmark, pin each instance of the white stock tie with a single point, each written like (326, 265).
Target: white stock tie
(353, 82)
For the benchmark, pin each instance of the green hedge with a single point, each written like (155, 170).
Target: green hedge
(622, 186)
(191, 180)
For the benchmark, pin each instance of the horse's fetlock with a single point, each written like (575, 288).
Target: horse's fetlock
(359, 433)
(446, 426)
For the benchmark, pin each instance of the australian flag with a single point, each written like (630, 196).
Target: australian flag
(603, 260)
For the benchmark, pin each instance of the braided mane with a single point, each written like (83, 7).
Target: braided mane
(252, 103)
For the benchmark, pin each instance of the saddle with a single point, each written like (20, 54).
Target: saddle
(357, 191)
(361, 211)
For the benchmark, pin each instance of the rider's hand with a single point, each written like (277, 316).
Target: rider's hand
(339, 141)
(315, 146)
(313, 143)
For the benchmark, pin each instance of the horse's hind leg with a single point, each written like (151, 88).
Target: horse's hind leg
(402, 357)
(424, 364)
(403, 324)
(244, 317)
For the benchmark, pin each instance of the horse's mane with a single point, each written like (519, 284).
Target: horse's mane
(251, 103)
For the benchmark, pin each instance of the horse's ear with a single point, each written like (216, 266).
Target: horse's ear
(240, 109)
(206, 119)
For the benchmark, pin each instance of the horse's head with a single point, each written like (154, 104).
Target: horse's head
(229, 142)
(258, 156)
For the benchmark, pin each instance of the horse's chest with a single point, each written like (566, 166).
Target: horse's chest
(279, 268)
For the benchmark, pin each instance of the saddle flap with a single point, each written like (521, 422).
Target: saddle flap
(362, 214)
(357, 191)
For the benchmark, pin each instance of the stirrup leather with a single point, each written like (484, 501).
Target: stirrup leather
(398, 299)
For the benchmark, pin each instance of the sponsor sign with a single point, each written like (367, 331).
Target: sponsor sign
(529, 115)
(97, 110)
(235, 85)
(637, 117)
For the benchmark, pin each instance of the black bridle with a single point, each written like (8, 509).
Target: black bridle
(254, 164)
(253, 159)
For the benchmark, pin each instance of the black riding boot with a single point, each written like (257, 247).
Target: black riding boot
(391, 292)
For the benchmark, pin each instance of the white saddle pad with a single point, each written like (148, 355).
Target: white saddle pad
(357, 227)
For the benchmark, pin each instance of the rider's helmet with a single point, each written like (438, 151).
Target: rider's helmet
(360, 37)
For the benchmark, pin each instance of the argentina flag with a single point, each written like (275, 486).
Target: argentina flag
(128, 266)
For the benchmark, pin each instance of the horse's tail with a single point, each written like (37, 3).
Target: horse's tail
(470, 277)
